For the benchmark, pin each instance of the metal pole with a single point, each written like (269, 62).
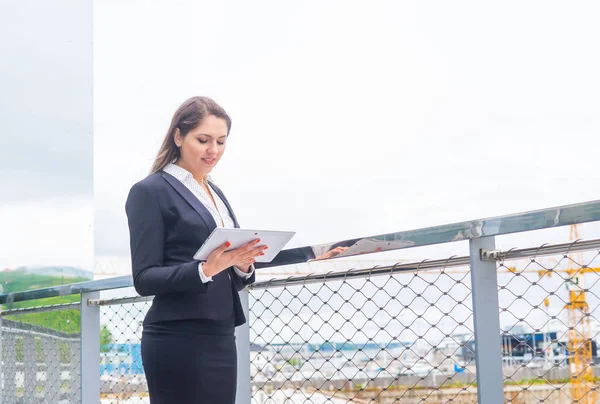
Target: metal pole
(486, 319)
(242, 340)
(90, 349)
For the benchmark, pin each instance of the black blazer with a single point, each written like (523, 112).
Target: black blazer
(167, 225)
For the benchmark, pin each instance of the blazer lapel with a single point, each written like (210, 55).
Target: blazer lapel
(226, 202)
(192, 200)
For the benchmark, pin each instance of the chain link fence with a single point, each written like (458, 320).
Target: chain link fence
(121, 371)
(41, 355)
(549, 313)
(401, 337)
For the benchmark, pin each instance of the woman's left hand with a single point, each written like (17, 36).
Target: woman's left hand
(331, 253)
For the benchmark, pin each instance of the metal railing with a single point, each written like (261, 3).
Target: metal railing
(418, 332)
(405, 333)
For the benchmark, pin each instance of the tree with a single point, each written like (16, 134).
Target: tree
(106, 338)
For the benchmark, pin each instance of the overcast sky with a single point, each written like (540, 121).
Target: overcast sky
(349, 118)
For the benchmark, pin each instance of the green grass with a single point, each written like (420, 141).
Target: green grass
(66, 321)
(63, 320)
(19, 281)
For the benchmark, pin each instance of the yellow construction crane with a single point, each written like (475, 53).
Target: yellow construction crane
(579, 332)
(580, 341)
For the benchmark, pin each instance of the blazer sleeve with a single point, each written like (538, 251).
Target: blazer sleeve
(239, 282)
(147, 234)
(287, 257)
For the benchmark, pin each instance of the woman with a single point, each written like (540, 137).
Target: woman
(188, 342)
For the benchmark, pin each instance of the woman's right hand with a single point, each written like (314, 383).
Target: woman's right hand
(220, 259)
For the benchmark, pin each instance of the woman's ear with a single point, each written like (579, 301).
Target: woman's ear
(177, 138)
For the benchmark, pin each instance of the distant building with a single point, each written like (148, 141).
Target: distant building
(123, 359)
(523, 347)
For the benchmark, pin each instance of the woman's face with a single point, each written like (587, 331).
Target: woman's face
(202, 148)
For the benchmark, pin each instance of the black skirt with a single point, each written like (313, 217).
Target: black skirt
(190, 362)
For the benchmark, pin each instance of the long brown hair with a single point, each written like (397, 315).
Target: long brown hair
(187, 117)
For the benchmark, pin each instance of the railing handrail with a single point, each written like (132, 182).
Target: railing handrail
(494, 226)
(69, 289)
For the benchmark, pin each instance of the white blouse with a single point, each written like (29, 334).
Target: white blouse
(219, 212)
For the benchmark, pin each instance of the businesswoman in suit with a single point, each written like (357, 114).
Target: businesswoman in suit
(188, 341)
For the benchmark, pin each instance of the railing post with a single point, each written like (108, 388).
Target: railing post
(90, 349)
(486, 319)
(242, 340)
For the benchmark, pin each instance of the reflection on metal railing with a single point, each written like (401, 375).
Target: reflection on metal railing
(41, 355)
(399, 337)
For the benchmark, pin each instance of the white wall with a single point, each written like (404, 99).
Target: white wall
(46, 143)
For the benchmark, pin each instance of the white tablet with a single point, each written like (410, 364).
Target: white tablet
(275, 240)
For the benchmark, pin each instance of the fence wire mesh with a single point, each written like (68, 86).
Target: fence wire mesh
(549, 314)
(41, 355)
(122, 377)
(404, 337)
